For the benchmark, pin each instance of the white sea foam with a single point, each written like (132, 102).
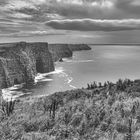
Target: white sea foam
(10, 93)
(78, 61)
(43, 76)
(63, 74)
(15, 92)
(68, 79)
(16, 87)
(72, 86)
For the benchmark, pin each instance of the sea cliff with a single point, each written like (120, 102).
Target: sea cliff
(20, 62)
(59, 51)
(79, 47)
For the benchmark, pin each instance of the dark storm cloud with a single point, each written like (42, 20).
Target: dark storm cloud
(41, 10)
(3, 2)
(130, 7)
(55, 14)
(94, 25)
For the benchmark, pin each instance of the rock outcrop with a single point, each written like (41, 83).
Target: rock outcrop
(59, 51)
(79, 47)
(20, 62)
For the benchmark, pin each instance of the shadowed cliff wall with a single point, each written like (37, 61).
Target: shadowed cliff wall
(66, 50)
(20, 62)
(79, 47)
(60, 51)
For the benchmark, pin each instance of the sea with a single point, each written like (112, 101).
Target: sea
(101, 63)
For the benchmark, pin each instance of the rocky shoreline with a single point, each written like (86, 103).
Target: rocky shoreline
(20, 62)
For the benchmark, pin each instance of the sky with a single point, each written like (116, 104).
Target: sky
(70, 21)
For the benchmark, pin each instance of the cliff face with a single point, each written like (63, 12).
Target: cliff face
(79, 47)
(59, 51)
(20, 62)
(66, 50)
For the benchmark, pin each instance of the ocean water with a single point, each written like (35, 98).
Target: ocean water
(102, 63)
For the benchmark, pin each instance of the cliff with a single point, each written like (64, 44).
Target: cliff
(59, 51)
(20, 62)
(79, 47)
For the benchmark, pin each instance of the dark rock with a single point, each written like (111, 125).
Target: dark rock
(20, 62)
(60, 60)
(79, 47)
(60, 51)
(65, 50)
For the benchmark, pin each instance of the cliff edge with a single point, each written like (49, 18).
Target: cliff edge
(79, 47)
(20, 62)
(60, 51)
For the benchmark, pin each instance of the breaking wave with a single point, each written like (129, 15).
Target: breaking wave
(17, 91)
(14, 92)
(78, 61)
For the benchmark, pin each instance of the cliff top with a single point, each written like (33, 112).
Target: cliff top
(13, 44)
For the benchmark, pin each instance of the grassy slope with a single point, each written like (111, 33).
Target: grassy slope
(110, 112)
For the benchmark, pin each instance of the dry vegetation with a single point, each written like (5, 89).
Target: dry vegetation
(100, 112)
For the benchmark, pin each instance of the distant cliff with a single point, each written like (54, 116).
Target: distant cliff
(59, 51)
(79, 47)
(20, 62)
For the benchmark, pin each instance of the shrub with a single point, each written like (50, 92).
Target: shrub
(8, 107)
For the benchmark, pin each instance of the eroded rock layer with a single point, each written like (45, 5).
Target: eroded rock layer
(20, 62)
(59, 51)
(79, 47)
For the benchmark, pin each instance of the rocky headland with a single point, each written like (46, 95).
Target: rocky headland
(20, 62)
(79, 47)
(109, 111)
(60, 51)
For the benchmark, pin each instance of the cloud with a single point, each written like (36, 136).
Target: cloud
(94, 25)
(41, 10)
(20, 16)
(17, 4)
(33, 33)
(45, 10)
(83, 15)
(104, 4)
(11, 27)
(129, 7)
(99, 3)
(77, 2)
